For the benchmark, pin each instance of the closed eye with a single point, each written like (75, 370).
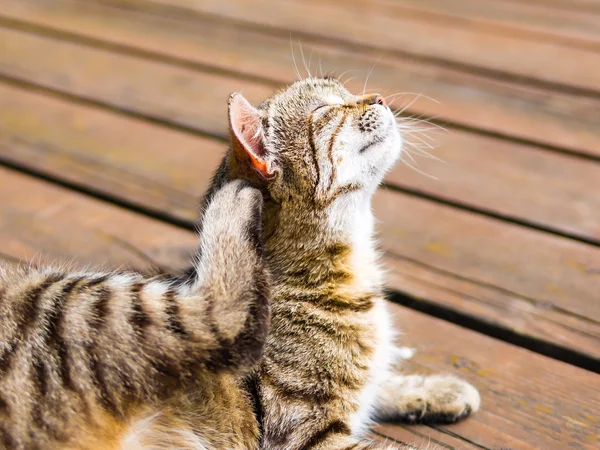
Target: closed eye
(319, 107)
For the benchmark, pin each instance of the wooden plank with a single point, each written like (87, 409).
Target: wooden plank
(355, 22)
(41, 222)
(529, 401)
(492, 175)
(589, 6)
(568, 27)
(532, 113)
(462, 261)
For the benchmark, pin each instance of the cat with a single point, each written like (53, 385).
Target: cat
(113, 361)
(130, 361)
(318, 153)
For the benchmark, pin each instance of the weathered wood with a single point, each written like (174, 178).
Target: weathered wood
(552, 271)
(356, 22)
(532, 113)
(463, 261)
(587, 6)
(529, 401)
(569, 27)
(547, 189)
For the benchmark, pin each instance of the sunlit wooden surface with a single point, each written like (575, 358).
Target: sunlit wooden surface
(113, 117)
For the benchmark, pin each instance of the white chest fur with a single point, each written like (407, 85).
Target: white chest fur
(382, 360)
(369, 278)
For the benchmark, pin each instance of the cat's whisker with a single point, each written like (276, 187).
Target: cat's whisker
(310, 57)
(348, 80)
(304, 62)
(320, 67)
(416, 169)
(430, 125)
(368, 75)
(407, 106)
(424, 153)
(339, 77)
(294, 59)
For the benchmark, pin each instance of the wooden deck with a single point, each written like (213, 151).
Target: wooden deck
(113, 117)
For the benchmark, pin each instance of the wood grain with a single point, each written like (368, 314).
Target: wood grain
(531, 20)
(463, 261)
(356, 22)
(516, 181)
(529, 401)
(526, 112)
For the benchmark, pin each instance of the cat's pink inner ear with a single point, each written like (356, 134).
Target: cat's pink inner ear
(246, 126)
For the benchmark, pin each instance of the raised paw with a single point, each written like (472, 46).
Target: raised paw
(232, 271)
(234, 213)
(433, 399)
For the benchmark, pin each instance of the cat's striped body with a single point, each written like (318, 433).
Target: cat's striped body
(125, 360)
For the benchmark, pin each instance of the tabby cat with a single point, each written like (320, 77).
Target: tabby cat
(98, 361)
(125, 361)
(318, 153)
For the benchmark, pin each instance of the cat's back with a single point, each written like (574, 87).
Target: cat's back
(54, 386)
(40, 387)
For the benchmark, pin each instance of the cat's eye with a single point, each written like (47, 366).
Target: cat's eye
(319, 107)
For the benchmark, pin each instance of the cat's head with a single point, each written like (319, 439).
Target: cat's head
(313, 142)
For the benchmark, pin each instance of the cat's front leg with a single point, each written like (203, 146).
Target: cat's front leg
(426, 399)
(230, 274)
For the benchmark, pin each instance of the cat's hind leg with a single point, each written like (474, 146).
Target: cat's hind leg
(426, 399)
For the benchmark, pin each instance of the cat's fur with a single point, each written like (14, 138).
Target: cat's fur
(318, 153)
(125, 361)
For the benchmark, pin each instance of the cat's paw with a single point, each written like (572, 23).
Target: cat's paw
(449, 399)
(234, 213)
(444, 399)
(432, 399)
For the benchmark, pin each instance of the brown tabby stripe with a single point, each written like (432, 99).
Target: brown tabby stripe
(139, 318)
(327, 117)
(313, 153)
(285, 391)
(305, 320)
(356, 446)
(304, 278)
(102, 299)
(254, 232)
(41, 379)
(7, 439)
(40, 390)
(337, 304)
(54, 330)
(174, 324)
(335, 427)
(330, 145)
(103, 296)
(31, 306)
(26, 317)
(345, 189)
(100, 382)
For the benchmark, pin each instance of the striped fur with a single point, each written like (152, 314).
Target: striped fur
(128, 361)
(318, 153)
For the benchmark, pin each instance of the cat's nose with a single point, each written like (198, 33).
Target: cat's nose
(371, 99)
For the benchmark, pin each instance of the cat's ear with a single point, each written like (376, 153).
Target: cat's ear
(247, 137)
